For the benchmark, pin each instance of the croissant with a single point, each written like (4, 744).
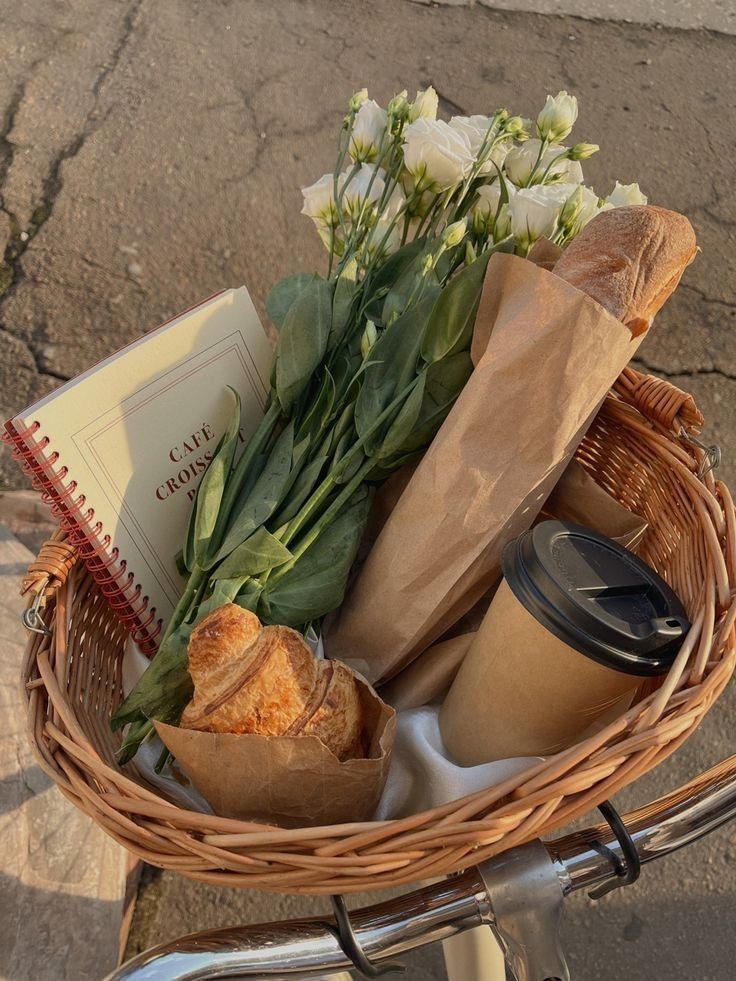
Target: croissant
(265, 680)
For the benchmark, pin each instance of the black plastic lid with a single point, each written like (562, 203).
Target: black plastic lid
(596, 596)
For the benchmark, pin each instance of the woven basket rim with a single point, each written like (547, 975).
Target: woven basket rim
(359, 855)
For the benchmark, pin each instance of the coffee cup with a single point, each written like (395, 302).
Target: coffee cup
(576, 625)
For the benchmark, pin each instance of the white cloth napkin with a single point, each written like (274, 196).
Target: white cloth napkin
(422, 773)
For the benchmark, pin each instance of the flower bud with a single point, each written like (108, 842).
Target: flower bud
(454, 234)
(427, 264)
(571, 208)
(518, 127)
(557, 117)
(399, 106)
(369, 338)
(425, 105)
(357, 100)
(481, 221)
(581, 205)
(581, 151)
(470, 253)
(502, 226)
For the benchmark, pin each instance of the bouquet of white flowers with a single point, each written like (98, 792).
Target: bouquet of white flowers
(370, 359)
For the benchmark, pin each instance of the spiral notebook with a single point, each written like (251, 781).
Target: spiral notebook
(119, 451)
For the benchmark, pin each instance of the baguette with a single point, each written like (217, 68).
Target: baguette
(266, 680)
(630, 260)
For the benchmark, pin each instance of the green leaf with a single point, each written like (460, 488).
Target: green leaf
(395, 356)
(450, 327)
(224, 591)
(256, 554)
(316, 583)
(404, 423)
(212, 487)
(301, 489)
(249, 596)
(388, 276)
(181, 566)
(444, 380)
(319, 412)
(346, 289)
(282, 296)
(303, 341)
(187, 559)
(161, 692)
(265, 496)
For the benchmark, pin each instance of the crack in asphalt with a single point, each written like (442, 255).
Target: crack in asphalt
(682, 373)
(33, 354)
(11, 270)
(730, 305)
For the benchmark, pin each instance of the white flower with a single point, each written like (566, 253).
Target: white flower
(396, 201)
(489, 196)
(535, 211)
(558, 117)
(319, 202)
(475, 128)
(365, 187)
(520, 162)
(368, 130)
(624, 194)
(425, 105)
(384, 236)
(436, 156)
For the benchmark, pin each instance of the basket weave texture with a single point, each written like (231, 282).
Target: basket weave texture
(638, 450)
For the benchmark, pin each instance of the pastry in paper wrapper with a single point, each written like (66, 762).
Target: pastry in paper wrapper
(273, 734)
(289, 781)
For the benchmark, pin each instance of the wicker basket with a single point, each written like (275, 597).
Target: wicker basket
(640, 449)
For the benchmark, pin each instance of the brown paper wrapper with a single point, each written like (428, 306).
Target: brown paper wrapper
(576, 497)
(289, 781)
(545, 356)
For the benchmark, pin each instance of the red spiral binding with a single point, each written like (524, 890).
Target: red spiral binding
(86, 534)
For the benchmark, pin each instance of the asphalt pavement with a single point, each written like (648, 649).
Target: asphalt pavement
(152, 153)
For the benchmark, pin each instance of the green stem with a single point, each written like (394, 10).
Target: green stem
(542, 147)
(187, 601)
(332, 478)
(551, 164)
(325, 520)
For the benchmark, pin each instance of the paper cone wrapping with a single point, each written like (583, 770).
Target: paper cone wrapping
(289, 781)
(545, 356)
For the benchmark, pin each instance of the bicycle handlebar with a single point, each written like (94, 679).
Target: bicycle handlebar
(485, 894)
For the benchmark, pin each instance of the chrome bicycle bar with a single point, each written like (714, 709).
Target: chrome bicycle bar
(513, 893)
